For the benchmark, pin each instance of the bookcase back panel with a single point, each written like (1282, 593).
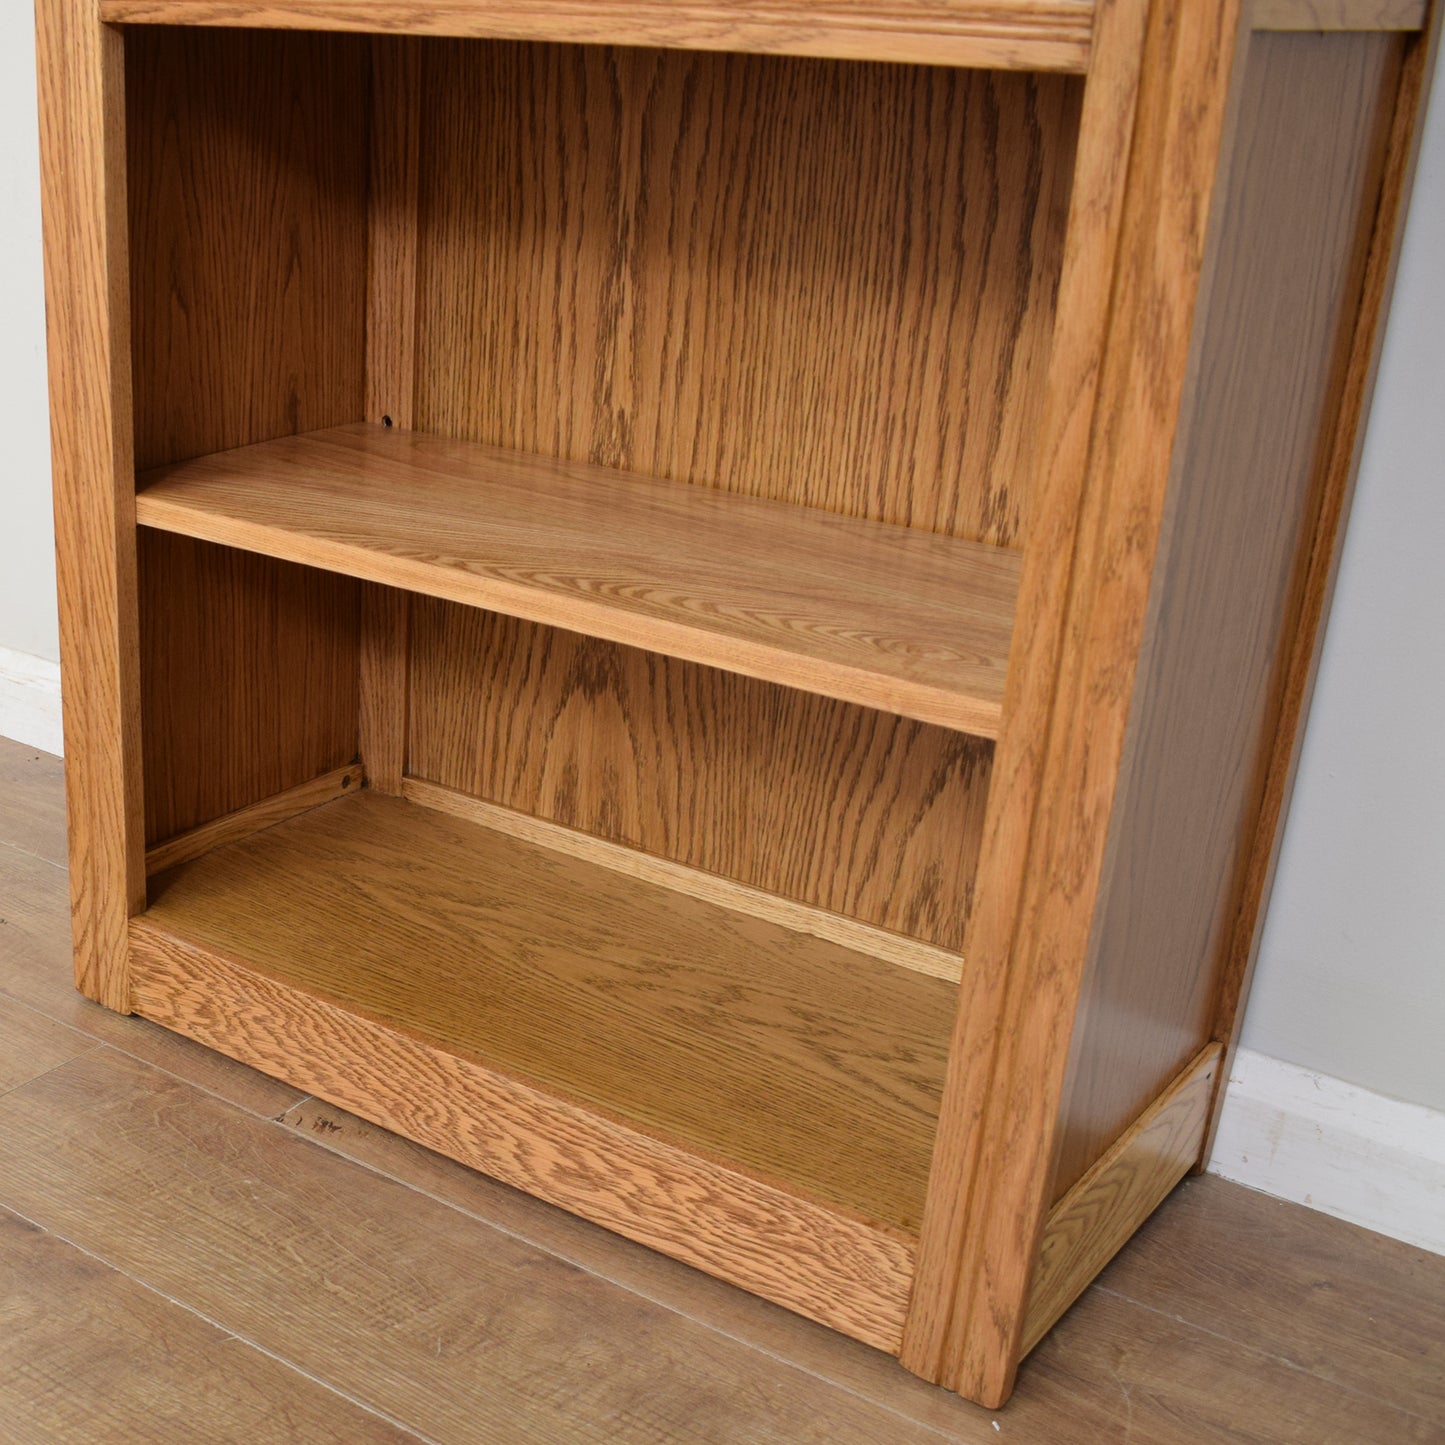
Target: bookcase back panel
(247, 174)
(824, 282)
(848, 809)
(248, 678)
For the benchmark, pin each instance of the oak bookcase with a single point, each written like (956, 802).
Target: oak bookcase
(706, 607)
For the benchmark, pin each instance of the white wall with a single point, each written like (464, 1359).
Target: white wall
(1351, 976)
(1351, 981)
(27, 560)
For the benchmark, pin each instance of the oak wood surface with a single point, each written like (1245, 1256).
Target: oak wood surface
(1230, 1312)
(247, 163)
(250, 679)
(1111, 422)
(961, 1321)
(1088, 1226)
(429, 1317)
(1297, 678)
(853, 811)
(825, 284)
(1272, 337)
(82, 142)
(1025, 34)
(391, 276)
(37, 972)
(884, 616)
(89, 1354)
(765, 1048)
(1334, 15)
(878, 943)
(245, 821)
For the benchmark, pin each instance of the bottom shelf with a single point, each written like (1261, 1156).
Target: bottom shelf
(758, 1101)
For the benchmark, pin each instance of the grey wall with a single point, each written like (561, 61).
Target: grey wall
(1351, 980)
(27, 563)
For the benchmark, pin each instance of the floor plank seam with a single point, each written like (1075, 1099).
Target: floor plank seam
(1283, 1360)
(544, 1249)
(265, 1118)
(45, 1073)
(30, 853)
(225, 1330)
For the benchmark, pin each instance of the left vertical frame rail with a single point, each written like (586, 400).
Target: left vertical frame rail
(82, 140)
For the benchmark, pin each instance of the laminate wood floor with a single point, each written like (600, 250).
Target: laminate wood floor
(190, 1251)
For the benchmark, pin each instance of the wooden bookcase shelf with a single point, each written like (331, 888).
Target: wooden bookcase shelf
(385, 933)
(879, 615)
(706, 609)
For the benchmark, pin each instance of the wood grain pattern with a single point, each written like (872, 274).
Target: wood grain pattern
(82, 101)
(392, 238)
(1090, 1224)
(89, 1354)
(1348, 1308)
(248, 178)
(245, 821)
(1018, 34)
(250, 681)
(32, 801)
(1272, 338)
(840, 1271)
(1302, 658)
(389, 1297)
(37, 971)
(765, 1048)
(828, 285)
(884, 616)
(797, 917)
(1114, 400)
(31, 1045)
(934, 1344)
(384, 685)
(852, 811)
(1335, 15)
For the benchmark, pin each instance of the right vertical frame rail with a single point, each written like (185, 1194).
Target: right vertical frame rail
(1165, 658)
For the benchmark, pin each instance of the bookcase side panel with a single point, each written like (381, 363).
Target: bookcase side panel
(82, 95)
(1272, 344)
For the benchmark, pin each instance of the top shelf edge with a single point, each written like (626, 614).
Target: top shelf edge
(1032, 35)
(907, 623)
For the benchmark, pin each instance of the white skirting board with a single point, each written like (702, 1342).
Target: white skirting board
(30, 700)
(1322, 1142)
(1286, 1131)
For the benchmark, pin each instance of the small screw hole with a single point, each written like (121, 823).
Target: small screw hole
(346, 781)
(386, 421)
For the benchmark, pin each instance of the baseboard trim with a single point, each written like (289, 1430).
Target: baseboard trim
(1319, 1141)
(30, 700)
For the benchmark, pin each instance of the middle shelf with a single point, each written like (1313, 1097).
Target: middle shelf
(904, 621)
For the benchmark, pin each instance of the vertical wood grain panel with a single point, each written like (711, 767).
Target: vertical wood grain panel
(82, 103)
(248, 158)
(247, 153)
(855, 811)
(391, 274)
(250, 683)
(1156, 114)
(829, 284)
(1273, 343)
